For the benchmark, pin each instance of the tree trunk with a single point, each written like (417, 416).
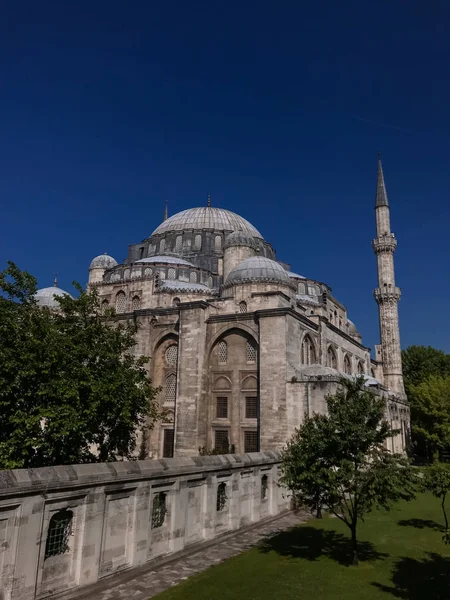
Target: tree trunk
(319, 512)
(355, 560)
(445, 518)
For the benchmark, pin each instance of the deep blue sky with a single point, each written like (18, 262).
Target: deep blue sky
(277, 109)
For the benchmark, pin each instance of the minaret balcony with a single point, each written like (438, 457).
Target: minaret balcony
(384, 243)
(387, 294)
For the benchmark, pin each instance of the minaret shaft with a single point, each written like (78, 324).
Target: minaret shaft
(387, 294)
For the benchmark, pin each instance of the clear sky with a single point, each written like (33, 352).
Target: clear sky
(275, 108)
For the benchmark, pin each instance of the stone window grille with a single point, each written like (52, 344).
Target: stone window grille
(193, 277)
(222, 498)
(172, 354)
(250, 441)
(105, 305)
(221, 441)
(59, 530)
(264, 487)
(178, 242)
(120, 302)
(242, 307)
(198, 242)
(251, 351)
(148, 272)
(347, 365)
(135, 303)
(171, 388)
(223, 352)
(251, 407)
(222, 407)
(159, 509)
(162, 246)
(168, 443)
(218, 243)
(171, 274)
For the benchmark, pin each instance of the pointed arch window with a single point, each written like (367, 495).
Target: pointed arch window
(242, 307)
(193, 277)
(172, 355)
(120, 302)
(217, 243)
(162, 246)
(105, 305)
(171, 273)
(331, 357)
(171, 388)
(308, 351)
(347, 365)
(198, 242)
(360, 368)
(223, 352)
(148, 272)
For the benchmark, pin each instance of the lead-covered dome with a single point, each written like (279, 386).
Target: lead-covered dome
(207, 217)
(240, 238)
(46, 296)
(258, 268)
(103, 261)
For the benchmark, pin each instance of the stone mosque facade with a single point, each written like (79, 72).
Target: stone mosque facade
(242, 346)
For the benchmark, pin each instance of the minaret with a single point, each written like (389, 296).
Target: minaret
(387, 294)
(166, 212)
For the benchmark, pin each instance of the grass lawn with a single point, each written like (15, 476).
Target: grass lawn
(401, 552)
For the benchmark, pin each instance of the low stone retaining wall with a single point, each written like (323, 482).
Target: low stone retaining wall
(66, 527)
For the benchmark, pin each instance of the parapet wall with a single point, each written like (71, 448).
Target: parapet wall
(67, 527)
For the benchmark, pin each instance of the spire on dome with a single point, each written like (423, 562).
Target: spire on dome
(55, 282)
(208, 203)
(381, 198)
(166, 212)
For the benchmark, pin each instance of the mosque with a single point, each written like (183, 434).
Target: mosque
(241, 346)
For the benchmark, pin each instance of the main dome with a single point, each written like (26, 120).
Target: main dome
(207, 217)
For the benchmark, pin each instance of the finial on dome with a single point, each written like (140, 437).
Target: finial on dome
(208, 203)
(55, 281)
(166, 212)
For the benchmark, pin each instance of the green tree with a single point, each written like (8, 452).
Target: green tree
(71, 389)
(420, 362)
(340, 460)
(437, 481)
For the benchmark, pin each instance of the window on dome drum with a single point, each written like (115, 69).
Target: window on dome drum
(301, 288)
(223, 352)
(243, 307)
(162, 246)
(168, 443)
(222, 407)
(308, 351)
(176, 302)
(251, 407)
(251, 351)
(171, 388)
(148, 272)
(198, 242)
(331, 357)
(250, 441)
(360, 368)
(135, 303)
(222, 499)
(347, 365)
(193, 277)
(178, 242)
(172, 354)
(217, 243)
(159, 509)
(59, 530)
(141, 252)
(171, 274)
(120, 302)
(210, 282)
(264, 487)
(105, 305)
(221, 441)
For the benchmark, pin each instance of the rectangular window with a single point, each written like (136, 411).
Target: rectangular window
(251, 408)
(221, 441)
(250, 441)
(168, 443)
(222, 407)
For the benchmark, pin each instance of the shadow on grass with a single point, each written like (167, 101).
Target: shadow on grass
(310, 543)
(421, 524)
(418, 579)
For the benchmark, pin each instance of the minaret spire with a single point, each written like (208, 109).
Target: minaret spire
(387, 294)
(166, 212)
(208, 202)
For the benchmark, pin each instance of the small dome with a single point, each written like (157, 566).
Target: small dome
(295, 275)
(258, 268)
(352, 329)
(46, 296)
(103, 261)
(240, 238)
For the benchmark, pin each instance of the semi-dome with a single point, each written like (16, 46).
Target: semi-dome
(258, 268)
(103, 261)
(168, 260)
(240, 238)
(46, 296)
(207, 217)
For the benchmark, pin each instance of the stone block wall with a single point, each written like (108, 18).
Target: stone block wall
(67, 527)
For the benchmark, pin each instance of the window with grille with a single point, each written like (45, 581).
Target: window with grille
(171, 274)
(59, 530)
(264, 487)
(250, 441)
(251, 408)
(218, 243)
(172, 354)
(120, 302)
(221, 441)
(135, 303)
(168, 443)
(223, 351)
(171, 388)
(243, 307)
(222, 499)
(148, 272)
(198, 242)
(176, 302)
(162, 246)
(193, 277)
(222, 407)
(159, 509)
(178, 242)
(251, 351)
(105, 305)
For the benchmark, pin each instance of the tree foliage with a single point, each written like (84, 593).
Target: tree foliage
(421, 362)
(340, 460)
(71, 389)
(437, 481)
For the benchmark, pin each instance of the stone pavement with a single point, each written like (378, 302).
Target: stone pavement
(158, 575)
